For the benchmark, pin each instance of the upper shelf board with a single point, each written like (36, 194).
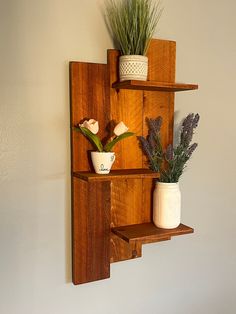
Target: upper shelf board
(154, 86)
(116, 175)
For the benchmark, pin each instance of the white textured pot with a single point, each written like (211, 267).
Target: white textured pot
(133, 67)
(166, 205)
(102, 161)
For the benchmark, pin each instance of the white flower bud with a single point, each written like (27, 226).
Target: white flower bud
(120, 128)
(91, 125)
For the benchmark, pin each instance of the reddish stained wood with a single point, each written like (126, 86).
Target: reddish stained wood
(122, 248)
(89, 99)
(154, 86)
(93, 213)
(91, 231)
(90, 202)
(161, 58)
(125, 106)
(116, 175)
(148, 232)
(132, 200)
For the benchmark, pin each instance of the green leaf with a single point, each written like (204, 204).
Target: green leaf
(94, 139)
(110, 145)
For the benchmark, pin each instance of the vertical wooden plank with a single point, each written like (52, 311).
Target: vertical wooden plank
(91, 231)
(126, 106)
(89, 99)
(161, 58)
(126, 195)
(132, 200)
(90, 201)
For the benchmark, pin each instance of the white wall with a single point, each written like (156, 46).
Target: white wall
(188, 275)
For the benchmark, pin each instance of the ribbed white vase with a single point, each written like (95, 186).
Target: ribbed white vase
(133, 67)
(166, 205)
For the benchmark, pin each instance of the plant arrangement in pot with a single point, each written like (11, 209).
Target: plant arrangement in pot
(170, 163)
(132, 24)
(103, 158)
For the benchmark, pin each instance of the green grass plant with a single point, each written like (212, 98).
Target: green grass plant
(132, 24)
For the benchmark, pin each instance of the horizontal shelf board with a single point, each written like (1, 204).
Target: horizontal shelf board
(154, 86)
(117, 175)
(148, 232)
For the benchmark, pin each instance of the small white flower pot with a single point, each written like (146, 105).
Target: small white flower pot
(166, 205)
(102, 161)
(133, 67)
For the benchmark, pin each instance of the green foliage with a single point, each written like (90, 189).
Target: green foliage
(94, 139)
(108, 147)
(132, 24)
(177, 164)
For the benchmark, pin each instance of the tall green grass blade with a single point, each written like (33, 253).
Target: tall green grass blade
(132, 23)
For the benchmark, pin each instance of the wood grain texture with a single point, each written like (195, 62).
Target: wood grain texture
(91, 231)
(89, 99)
(132, 199)
(90, 202)
(118, 174)
(154, 86)
(148, 232)
(122, 200)
(126, 106)
(161, 58)
(119, 248)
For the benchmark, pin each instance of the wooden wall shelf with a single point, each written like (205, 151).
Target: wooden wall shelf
(112, 214)
(116, 175)
(154, 86)
(149, 233)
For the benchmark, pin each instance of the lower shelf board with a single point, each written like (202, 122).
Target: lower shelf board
(149, 233)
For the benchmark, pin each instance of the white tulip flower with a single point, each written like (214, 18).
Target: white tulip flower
(91, 125)
(89, 128)
(120, 128)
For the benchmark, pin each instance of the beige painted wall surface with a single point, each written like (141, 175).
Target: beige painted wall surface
(189, 275)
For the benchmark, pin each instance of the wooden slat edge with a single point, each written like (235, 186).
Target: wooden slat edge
(155, 86)
(167, 234)
(91, 177)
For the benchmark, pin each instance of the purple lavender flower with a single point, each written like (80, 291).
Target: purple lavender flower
(146, 147)
(169, 152)
(188, 125)
(170, 162)
(152, 141)
(188, 121)
(158, 123)
(192, 149)
(195, 120)
(155, 124)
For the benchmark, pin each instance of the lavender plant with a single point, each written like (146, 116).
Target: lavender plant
(170, 162)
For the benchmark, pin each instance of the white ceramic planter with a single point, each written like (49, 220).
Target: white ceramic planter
(166, 205)
(102, 161)
(133, 67)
